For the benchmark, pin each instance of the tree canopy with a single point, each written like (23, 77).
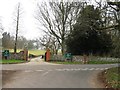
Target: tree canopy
(86, 36)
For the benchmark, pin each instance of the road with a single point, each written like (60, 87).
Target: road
(39, 74)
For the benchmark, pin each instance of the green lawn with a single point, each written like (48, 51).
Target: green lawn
(11, 61)
(113, 77)
(34, 52)
(37, 52)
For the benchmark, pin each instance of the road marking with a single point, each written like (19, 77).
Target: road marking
(97, 68)
(84, 69)
(78, 69)
(91, 69)
(72, 69)
(106, 68)
(67, 69)
(39, 70)
(27, 71)
(45, 73)
(101, 68)
(59, 69)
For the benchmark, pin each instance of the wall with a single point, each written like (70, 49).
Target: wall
(79, 58)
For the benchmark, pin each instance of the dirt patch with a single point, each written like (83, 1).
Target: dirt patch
(7, 76)
(94, 80)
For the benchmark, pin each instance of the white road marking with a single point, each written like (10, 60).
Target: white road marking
(84, 69)
(106, 68)
(101, 68)
(39, 70)
(59, 69)
(91, 69)
(28, 71)
(97, 68)
(67, 69)
(72, 69)
(78, 69)
(45, 73)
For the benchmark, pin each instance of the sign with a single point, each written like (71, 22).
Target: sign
(6, 53)
(68, 56)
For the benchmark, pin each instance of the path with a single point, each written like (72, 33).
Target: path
(39, 61)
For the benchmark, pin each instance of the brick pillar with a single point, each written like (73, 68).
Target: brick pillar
(48, 55)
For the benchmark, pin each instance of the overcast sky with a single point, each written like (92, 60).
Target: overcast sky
(28, 27)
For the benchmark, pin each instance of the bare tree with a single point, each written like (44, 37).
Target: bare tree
(57, 18)
(49, 42)
(111, 21)
(17, 19)
(115, 6)
(1, 32)
(1, 27)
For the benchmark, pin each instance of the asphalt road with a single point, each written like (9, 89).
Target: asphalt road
(38, 74)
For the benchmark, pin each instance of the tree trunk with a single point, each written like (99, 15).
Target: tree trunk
(63, 47)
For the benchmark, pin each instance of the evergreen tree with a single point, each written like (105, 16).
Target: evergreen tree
(86, 36)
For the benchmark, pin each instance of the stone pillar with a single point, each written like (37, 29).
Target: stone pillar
(26, 54)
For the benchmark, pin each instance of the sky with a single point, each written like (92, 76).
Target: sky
(28, 24)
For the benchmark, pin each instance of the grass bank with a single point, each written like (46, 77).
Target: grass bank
(12, 61)
(111, 77)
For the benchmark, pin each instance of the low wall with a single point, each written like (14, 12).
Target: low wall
(79, 58)
(17, 56)
(62, 58)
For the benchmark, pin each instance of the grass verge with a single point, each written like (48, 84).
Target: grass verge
(66, 62)
(90, 62)
(11, 61)
(103, 62)
(111, 78)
